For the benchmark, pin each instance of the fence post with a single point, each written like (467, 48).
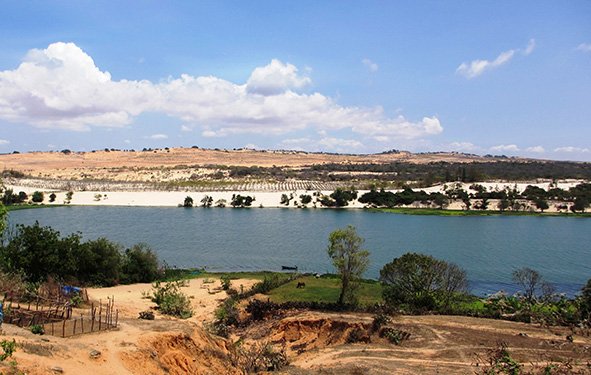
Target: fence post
(64, 328)
(116, 317)
(82, 322)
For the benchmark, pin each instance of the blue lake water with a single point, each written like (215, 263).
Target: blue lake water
(489, 248)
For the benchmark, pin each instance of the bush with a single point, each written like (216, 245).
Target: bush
(37, 197)
(37, 329)
(140, 264)
(171, 301)
(99, 262)
(146, 315)
(52, 197)
(8, 348)
(225, 279)
(422, 282)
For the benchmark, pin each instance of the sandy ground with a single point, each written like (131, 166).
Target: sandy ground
(317, 341)
(40, 354)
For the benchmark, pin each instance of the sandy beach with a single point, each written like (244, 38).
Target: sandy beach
(263, 199)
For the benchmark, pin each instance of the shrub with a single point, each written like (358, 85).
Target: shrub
(37, 197)
(422, 282)
(37, 329)
(171, 301)
(260, 310)
(146, 315)
(8, 347)
(140, 264)
(52, 197)
(225, 279)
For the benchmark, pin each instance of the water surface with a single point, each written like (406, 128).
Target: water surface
(489, 248)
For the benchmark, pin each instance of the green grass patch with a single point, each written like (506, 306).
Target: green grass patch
(324, 289)
(18, 207)
(196, 273)
(440, 212)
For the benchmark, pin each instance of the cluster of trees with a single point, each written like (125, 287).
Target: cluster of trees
(508, 198)
(420, 283)
(41, 252)
(438, 172)
(339, 198)
(408, 196)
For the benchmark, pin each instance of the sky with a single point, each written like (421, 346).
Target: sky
(484, 77)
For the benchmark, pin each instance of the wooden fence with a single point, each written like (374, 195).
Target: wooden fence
(59, 320)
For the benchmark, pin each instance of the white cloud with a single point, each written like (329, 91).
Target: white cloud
(571, 149)
(251, 146)
(372, 66)
(323, 144)
(126, 141)
(4, 142)
(462, 146)
(584, 47)
(477, 67)
(512, 148)
(275, 78)
(536, 149)
(185, 128)
(531, 45)
(61, 87)
(158, 136)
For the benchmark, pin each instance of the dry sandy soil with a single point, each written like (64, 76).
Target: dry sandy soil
(314, 342)
(183, 162)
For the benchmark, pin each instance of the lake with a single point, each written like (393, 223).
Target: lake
(489, 248)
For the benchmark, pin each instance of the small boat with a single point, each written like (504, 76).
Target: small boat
(288, 268)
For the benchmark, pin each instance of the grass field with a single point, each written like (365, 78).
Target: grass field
(324, 289)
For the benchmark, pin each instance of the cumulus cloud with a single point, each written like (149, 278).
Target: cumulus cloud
(275, 78)
(61, 87)
(570, 149)
(372, 66)
(185, 128)
(512, 148)
(477, 67)
(158, 136)
(4, 142)
(584, 47)
(536, 149)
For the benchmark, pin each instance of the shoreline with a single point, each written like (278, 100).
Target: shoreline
(267, 199)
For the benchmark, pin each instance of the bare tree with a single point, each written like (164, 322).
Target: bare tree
(530, 280)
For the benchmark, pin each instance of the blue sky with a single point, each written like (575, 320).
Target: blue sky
(503, 77)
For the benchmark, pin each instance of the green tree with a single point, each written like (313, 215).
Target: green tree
(206, 201)
(421, 281)
(38, 197)
(344, 248)
(52, 197)
(99, 263)
(40, 252)
(305, 199)
(3, 215)
(541, 204)
(140, 264)
(188, 202)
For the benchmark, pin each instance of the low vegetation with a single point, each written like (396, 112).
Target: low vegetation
(170, 300)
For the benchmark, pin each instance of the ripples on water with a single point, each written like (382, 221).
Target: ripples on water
(489, 248)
